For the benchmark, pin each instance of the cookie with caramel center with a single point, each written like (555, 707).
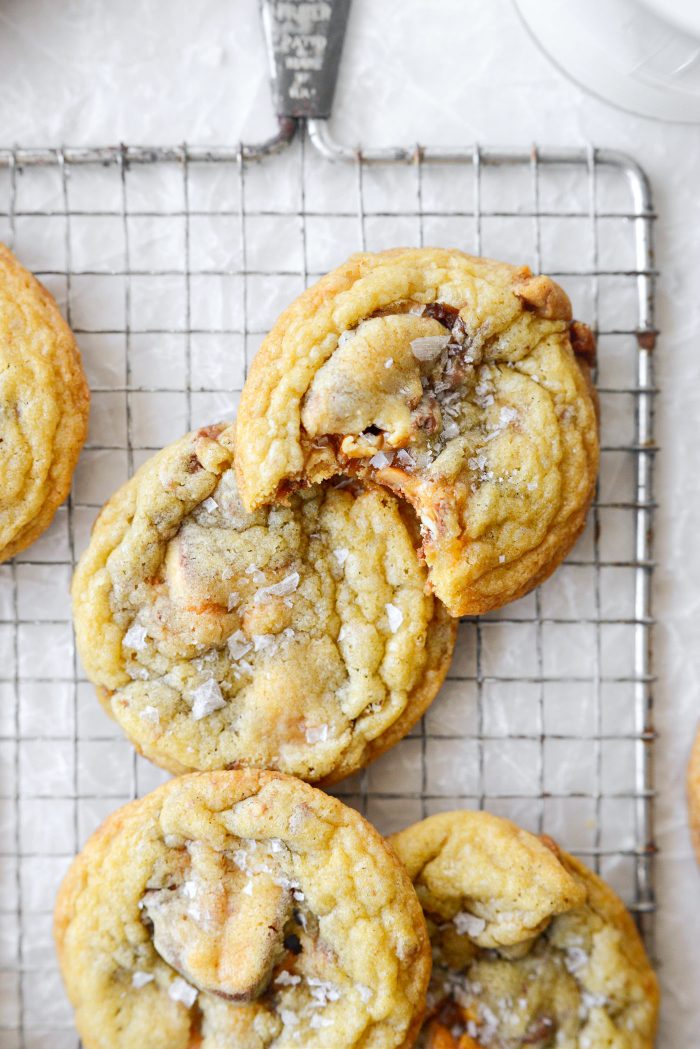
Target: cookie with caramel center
(530, 947)
(298, 637)
(244, 909)
(459, 383)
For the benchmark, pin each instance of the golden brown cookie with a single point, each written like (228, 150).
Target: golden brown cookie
(693, 784)
(243, 909)
(44, 398)
(300, 637)
(530, 948)
(460, 383)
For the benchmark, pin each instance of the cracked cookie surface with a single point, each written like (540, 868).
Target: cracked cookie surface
(460, 383)
(242, 909)
(44, 399)
(530, 948)
(300, 637)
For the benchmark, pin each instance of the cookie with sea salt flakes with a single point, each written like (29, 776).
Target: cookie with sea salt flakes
(243, 909)
(299, 637)
(44, 401)
(530, 947)
(461, 384)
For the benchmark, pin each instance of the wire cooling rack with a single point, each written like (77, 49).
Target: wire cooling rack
(170, 265)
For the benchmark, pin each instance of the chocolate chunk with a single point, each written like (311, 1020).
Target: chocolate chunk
(442, 313)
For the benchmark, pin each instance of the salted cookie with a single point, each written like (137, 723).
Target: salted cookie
(243, 909)
(530, 948)
(299, 637)
(694, 794)
(459, 383)
(44, 401)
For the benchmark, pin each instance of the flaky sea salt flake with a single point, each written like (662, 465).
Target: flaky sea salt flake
(135, 637)
(210, 505)
(322, 992)
(181, 991)
(395, 617)
(316, 733)
(238, 644)
(287, 979)
(140, 979)
(379, 460)
(285, 586)
(257, 575)
(206, 699)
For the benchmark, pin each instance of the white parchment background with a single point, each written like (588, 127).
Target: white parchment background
(164, 71)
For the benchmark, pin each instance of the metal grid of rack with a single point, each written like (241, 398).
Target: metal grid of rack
(170, 265)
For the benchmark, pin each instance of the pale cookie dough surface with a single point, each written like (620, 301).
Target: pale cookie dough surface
(300, 637)
(530, 948)
(694, 795)
(241, 909)
(451, 380)
(44, 401)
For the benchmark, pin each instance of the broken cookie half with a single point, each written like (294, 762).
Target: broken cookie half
(530, 947)
(461, 384)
